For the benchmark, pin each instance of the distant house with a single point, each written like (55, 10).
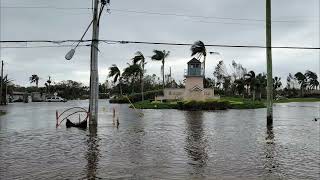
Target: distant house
(194, 88)
(17, 97)
(38, 97)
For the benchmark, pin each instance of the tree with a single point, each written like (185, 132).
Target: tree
(302, 80)
(131, 73)
(312, 79)
(139, 58)
(276, 84)
(34, 79)
(160, 56)
(114, 72)
(250, 79)
(198, 48)
(220, 73)
(261, 83)
(239, 84)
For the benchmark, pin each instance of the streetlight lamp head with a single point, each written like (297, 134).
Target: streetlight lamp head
(70, 54)
(217, 53)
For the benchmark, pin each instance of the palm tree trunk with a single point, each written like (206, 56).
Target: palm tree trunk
(204, 66)
(163, 86)
(120, 88)
(142, 82)
(253, 95)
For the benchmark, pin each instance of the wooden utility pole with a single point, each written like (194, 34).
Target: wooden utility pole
(1, 86)
(94, 79)
(269, 65)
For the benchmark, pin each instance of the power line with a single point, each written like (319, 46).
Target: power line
(45, 7)
(205, 17)
(153, 13)
(33, 47)
(162, 43)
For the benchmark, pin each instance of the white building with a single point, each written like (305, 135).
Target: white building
(194, 88)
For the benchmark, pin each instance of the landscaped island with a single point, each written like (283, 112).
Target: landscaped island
(214, 104)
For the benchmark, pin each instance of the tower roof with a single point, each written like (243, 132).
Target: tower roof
(194, 60)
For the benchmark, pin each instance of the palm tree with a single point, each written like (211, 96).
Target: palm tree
(250, 78)
(240, 83)
(302, 80)
(261, 83)
(139, 58)
(48, 83)
(34, 79)
(198, 48)
(132, 72)
(161, 56)
(114, 72)
(312, 79)
(276, 84)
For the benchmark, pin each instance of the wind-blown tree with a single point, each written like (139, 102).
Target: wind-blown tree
(160, 56)
(115, 73)
(312, 79)
(131, 73)
(250, 80)
(261, 84)
(34, 79)
(276, 84)
(302, 80)
(220, 72)
(198, 48)
(139, 58)
(239, 84)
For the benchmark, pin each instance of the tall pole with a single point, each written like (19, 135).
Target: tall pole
(269, 65)
(6, 91)
(1, 86)
(94, 79)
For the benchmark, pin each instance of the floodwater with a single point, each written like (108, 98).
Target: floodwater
(163, 144)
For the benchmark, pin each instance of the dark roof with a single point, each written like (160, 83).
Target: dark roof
(194, 60)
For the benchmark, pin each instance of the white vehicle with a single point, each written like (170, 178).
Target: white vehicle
(55, 99)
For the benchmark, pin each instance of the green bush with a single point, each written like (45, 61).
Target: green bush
(149, 95)
(203, 105)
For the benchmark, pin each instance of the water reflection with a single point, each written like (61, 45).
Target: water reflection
(93, 153)
(270, 163)
(196, 143)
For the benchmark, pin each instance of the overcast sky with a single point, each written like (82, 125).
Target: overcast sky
(296, 23)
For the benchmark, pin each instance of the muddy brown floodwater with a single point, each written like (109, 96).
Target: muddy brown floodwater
(163, 144)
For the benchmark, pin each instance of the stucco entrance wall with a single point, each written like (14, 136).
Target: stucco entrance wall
(173, 93)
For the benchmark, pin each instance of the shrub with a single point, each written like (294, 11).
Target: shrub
(149, 95)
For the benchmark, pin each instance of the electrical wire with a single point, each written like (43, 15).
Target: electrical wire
(155, 13)
(162, 43)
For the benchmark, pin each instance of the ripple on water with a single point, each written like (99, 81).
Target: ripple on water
(164, 144)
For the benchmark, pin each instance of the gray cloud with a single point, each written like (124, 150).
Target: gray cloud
(53, 24)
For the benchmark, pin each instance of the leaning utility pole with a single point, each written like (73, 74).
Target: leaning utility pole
(269, 65)
(1, 86)
(94, 79)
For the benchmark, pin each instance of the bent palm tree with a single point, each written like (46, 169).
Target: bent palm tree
(114, 72)
(139, 58)
(198, 48)
(251, 80)
(34, 79)
(161, 56)
(312, 79)
(132, 72)
(302, 80)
